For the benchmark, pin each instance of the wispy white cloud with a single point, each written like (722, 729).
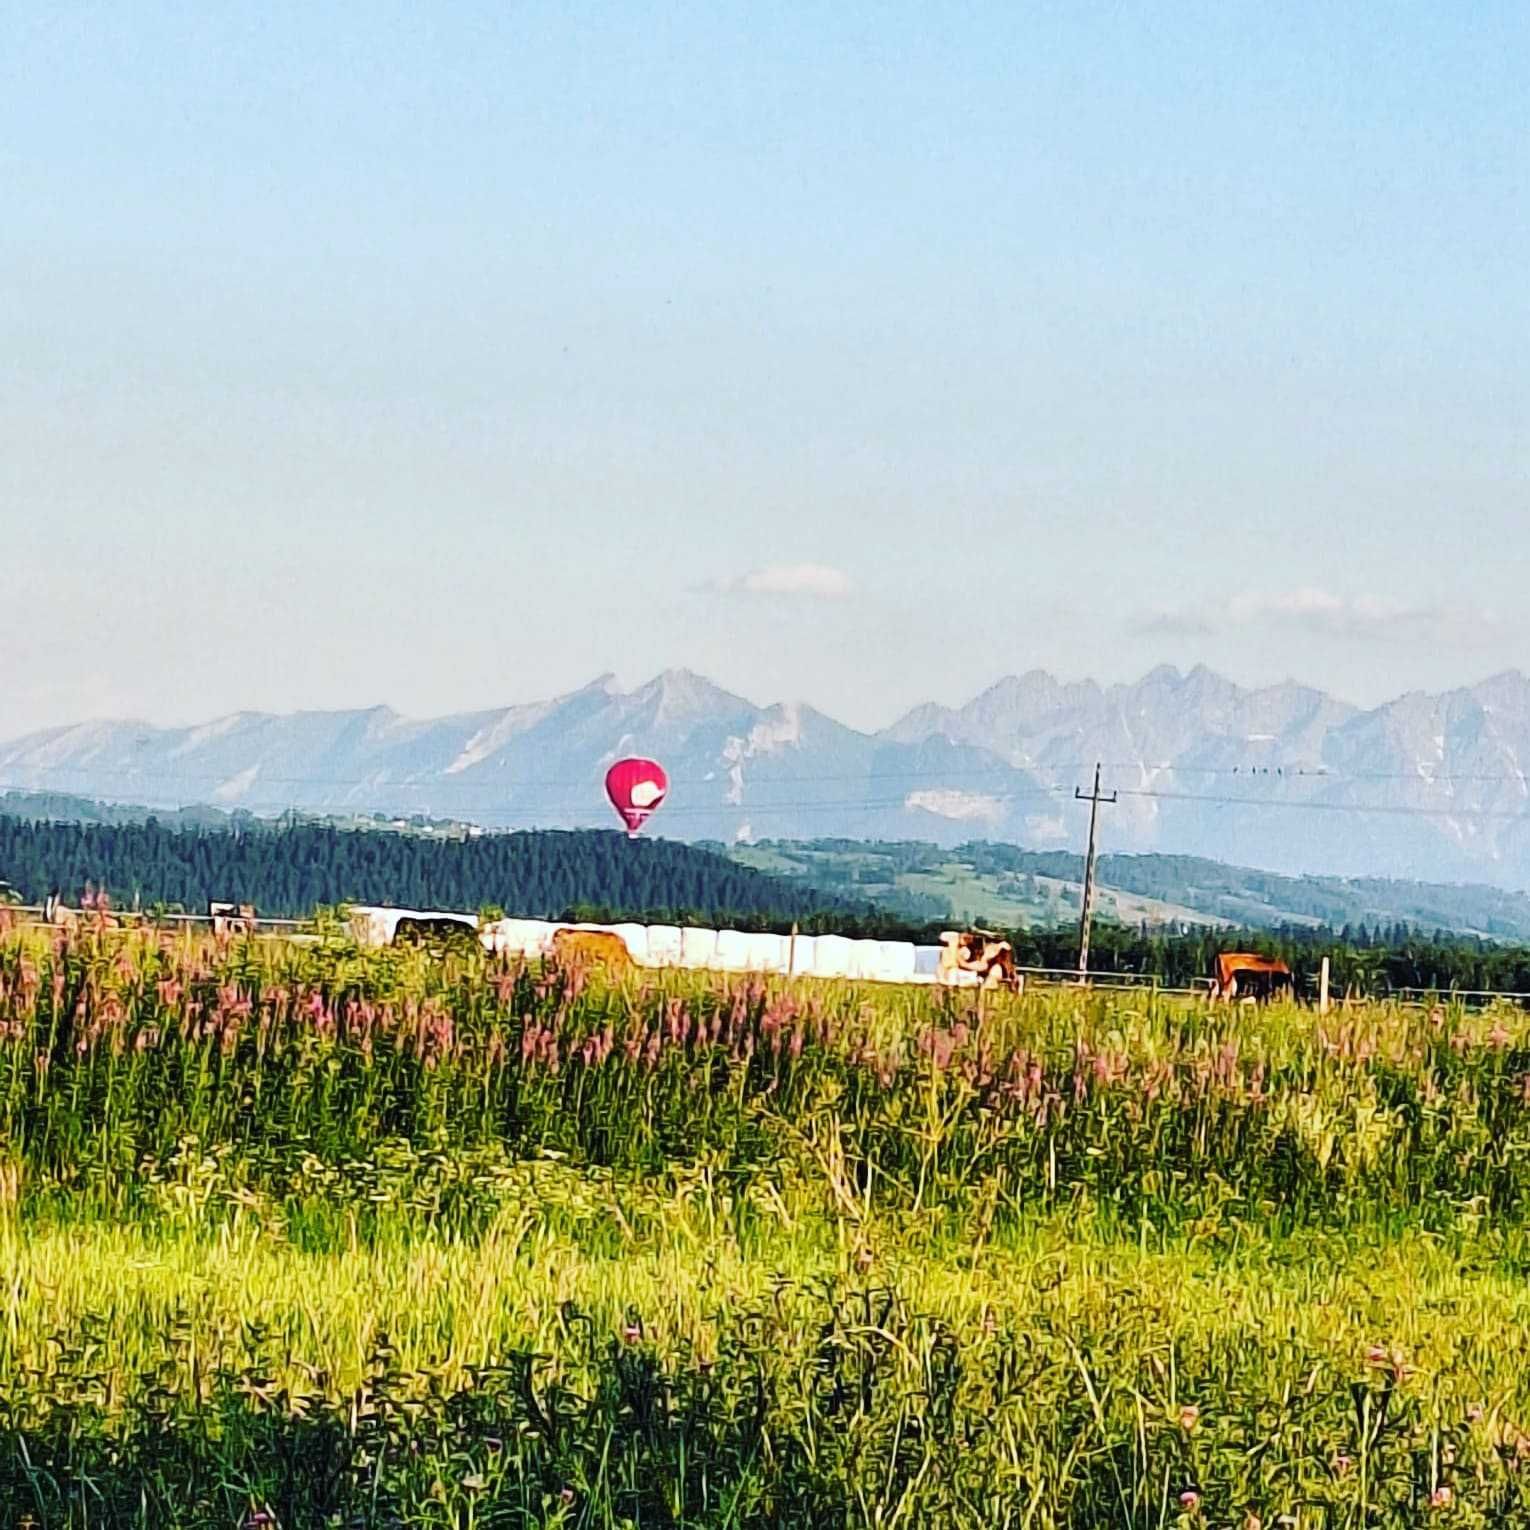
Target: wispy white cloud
(808, 581)
(1323, 613)
(1174, 624)
(1360, 615)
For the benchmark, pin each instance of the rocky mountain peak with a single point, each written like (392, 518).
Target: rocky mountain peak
(1286, 777)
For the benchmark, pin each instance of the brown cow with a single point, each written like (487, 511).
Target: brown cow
(1252, 976)
(599, 948)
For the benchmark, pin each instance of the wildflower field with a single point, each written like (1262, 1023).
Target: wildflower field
(299, 1236)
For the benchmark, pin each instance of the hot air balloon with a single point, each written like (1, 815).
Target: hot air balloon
(636, 787)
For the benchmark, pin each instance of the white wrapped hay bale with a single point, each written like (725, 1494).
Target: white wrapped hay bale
(896, 961)
(732, 951)
(635, 937)
(832, 956)
(866, 960)
(698, 948)
(926, 964)
(518, 937)
(664, 945)
(802, 949)
(767, 953)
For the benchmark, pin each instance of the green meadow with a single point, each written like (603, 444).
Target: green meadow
(299, 1236)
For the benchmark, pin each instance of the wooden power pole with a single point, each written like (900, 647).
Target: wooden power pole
(1094, 799)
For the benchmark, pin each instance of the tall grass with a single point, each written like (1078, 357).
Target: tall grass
(282, 1069)
(308, 1236)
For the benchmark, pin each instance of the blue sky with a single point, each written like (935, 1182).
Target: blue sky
(450, 355)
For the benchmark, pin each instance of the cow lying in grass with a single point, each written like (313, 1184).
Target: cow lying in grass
(599, 948)
(988, 959)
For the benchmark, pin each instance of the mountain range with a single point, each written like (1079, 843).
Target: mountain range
(1429, 786)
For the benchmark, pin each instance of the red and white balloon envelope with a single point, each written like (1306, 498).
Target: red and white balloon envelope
(636, 787)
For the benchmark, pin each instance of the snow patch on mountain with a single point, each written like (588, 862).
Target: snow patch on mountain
(780, 728)
(964, 807)
(237, 786)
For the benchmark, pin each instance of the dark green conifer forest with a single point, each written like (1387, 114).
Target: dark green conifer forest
(290, 871)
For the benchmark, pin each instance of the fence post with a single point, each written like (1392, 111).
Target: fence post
(1323, 988)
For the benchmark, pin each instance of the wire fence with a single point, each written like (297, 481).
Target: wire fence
(35, 916)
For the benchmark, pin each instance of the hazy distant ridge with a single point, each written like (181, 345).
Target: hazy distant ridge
(1447, 771)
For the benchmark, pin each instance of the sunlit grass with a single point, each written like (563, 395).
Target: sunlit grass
(307, 1236)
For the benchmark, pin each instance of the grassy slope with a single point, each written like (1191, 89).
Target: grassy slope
(965, 892)
(1205, 893)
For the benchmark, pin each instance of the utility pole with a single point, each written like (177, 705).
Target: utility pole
(1094, 799)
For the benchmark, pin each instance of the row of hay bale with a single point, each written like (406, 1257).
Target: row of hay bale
(671, 946)
(657, 945)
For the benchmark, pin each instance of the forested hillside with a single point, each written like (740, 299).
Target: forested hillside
(292, 870)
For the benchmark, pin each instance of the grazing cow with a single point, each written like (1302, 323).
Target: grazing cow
(423, 930)
(1244, 974)
(988, 959)
(599, 948)
(373, 926)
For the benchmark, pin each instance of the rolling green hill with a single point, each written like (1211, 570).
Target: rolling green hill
(1008, 886)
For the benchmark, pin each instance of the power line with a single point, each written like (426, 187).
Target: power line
(510, 811)
(1328, 807)
(504, 807)
(922, 773)
(583, 804)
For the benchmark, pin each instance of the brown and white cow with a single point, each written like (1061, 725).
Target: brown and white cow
(980, 953)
